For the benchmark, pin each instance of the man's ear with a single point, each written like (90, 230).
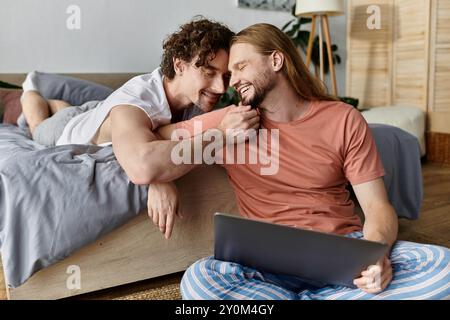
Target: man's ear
(277, 60)
(178, 66)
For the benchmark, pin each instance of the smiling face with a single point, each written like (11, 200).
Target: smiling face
(204, 85)
(251, 74)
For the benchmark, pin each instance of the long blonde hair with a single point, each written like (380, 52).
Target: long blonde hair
(267, 38)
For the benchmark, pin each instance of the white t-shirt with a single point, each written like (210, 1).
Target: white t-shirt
(145, 92)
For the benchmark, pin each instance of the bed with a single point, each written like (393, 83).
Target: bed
(137, 250)
(129, 248)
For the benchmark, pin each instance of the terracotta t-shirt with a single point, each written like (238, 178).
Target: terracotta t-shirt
(319, 153)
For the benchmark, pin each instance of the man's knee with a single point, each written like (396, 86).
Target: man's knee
(445, 254)
(420, 257)
(192, 277)
(196, 270)
(57, 105)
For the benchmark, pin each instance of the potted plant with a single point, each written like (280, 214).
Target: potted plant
(293, 29)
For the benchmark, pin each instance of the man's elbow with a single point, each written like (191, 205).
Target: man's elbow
(138, 167)
(139, 179)
(386, 212)
(141, 176)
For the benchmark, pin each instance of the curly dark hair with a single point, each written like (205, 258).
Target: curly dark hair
(198, 37)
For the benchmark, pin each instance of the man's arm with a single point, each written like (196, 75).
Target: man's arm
(208, 120)
(146, 159)
(381, 223)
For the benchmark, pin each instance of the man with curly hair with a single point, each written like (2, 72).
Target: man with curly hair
(193, 74)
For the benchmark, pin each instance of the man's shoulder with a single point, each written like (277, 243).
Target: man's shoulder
(336, 106)
(335, 111)
(146, 88)
(146, 79)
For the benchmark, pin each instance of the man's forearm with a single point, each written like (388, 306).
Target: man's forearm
(157, 156)
(381, 225)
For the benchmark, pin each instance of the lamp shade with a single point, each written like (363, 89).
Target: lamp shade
(316, 7)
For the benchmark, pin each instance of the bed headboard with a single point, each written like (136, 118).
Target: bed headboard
(113, 80)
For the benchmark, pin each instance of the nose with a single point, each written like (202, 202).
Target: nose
(218, 85)
(233, 80)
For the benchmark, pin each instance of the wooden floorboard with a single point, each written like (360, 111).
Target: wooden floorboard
(433, 225)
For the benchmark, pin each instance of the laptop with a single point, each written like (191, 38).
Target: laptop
(319, 257)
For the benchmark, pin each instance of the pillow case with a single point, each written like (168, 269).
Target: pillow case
(10, 105)
(74, 91)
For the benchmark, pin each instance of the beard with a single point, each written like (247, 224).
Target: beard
(206, 105)
(262, 85)
(203, 106)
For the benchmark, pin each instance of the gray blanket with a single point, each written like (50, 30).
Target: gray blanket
(400, 153)
(55, 200)
(39, 223)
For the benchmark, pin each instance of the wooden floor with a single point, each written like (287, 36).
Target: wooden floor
(2, 284)
(432, 227)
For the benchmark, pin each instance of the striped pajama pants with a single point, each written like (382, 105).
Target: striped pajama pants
(419, 272)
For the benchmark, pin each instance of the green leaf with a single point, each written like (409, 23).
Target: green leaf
(351, 101)
(291, 33)
(299, 43)
(287, 24)
(228, 98)
(304, 37)
(305, 20)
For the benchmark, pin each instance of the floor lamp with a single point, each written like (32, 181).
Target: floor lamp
(319, 10)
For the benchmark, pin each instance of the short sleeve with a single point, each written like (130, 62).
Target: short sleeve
(361, 160)
(147, 95)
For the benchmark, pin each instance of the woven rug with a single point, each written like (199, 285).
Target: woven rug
(167, 292)
(162, 288)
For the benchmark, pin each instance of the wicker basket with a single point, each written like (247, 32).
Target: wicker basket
(438, 147)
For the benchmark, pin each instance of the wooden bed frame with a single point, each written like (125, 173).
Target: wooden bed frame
(137, 250)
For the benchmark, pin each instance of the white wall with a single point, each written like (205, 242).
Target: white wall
(115, 35)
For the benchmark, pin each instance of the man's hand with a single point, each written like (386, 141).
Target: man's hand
(239, 119)
(376, 277)
(163, 205)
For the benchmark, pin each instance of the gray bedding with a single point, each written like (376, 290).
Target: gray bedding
(400, 153)
(40, 224)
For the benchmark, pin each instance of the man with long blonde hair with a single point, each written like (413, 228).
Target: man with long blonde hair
(324, 144)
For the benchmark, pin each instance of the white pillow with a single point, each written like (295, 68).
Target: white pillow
(407, 118)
